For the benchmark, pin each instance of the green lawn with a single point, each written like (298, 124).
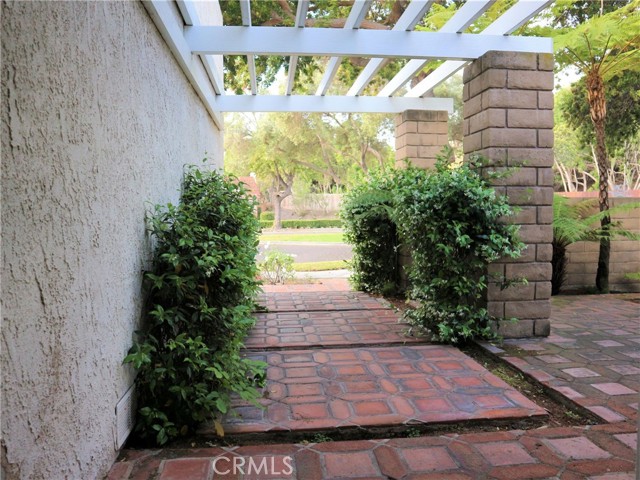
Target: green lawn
(320, 266)
(302, 237)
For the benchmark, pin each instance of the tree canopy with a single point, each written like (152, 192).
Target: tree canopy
(623, 109)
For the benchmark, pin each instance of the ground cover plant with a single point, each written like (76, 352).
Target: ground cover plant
(201, 291)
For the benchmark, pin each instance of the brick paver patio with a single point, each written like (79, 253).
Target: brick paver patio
(336, 386)
(592, 355)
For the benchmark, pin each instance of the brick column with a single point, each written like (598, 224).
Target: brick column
(508, 118)
(420, 136)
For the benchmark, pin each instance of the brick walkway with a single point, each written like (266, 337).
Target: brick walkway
(296, 301)
(327, 328)
(312, 388)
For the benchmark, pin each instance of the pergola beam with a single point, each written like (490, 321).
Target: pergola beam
(356, 15)
(507, 23)
(328, 103)
(409, 19)
(288, 41)
(461, 20)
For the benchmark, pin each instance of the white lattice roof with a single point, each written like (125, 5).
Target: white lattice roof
(199, 47)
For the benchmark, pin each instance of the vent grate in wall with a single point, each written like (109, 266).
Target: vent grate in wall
(125, 417)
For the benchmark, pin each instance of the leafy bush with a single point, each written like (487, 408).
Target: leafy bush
(267, 216)
(450, 219)
(366, 215)
(304, 223)
(201, 294)
(277, 267)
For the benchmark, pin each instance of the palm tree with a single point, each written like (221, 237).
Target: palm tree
(601, 48)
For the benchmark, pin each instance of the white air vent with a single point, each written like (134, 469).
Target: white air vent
(125, 417)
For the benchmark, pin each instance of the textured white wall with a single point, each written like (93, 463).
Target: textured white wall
(97, 120)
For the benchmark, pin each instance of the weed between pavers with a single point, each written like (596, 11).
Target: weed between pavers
(562, 411)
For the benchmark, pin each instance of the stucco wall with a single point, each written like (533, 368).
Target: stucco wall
(625, 254)
(97, 120)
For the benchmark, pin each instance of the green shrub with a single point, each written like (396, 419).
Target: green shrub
(277, 267)
(450, 219)
(369, 228)
(267, 216)
(201, 292)
(266, 223)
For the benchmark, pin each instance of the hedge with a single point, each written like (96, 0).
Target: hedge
(304, 223)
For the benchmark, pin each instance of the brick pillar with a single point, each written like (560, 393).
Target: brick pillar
(508, 118)
(420, 136)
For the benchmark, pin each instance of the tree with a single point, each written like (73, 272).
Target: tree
(572, 159)
(622, 97)
(324, 149)
(602, 47)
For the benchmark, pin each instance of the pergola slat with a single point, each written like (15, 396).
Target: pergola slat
(301, 15)
(461, 20)
(362, 43)
(507, 23)
(409, 19)
(163, 15)
(450, 44)
(214, 71)
(329, 103)
(356, 15)
(245, 11)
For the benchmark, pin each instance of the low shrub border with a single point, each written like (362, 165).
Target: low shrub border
(303, 223)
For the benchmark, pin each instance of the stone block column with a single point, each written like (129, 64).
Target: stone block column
(508, 118)
(420, 136)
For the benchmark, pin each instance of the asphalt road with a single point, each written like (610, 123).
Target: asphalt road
(309, 252)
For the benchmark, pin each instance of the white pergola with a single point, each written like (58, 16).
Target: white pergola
(199, 49)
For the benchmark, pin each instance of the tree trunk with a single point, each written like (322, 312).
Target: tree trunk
(278, 195)
(277, 211)
(598, 111)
